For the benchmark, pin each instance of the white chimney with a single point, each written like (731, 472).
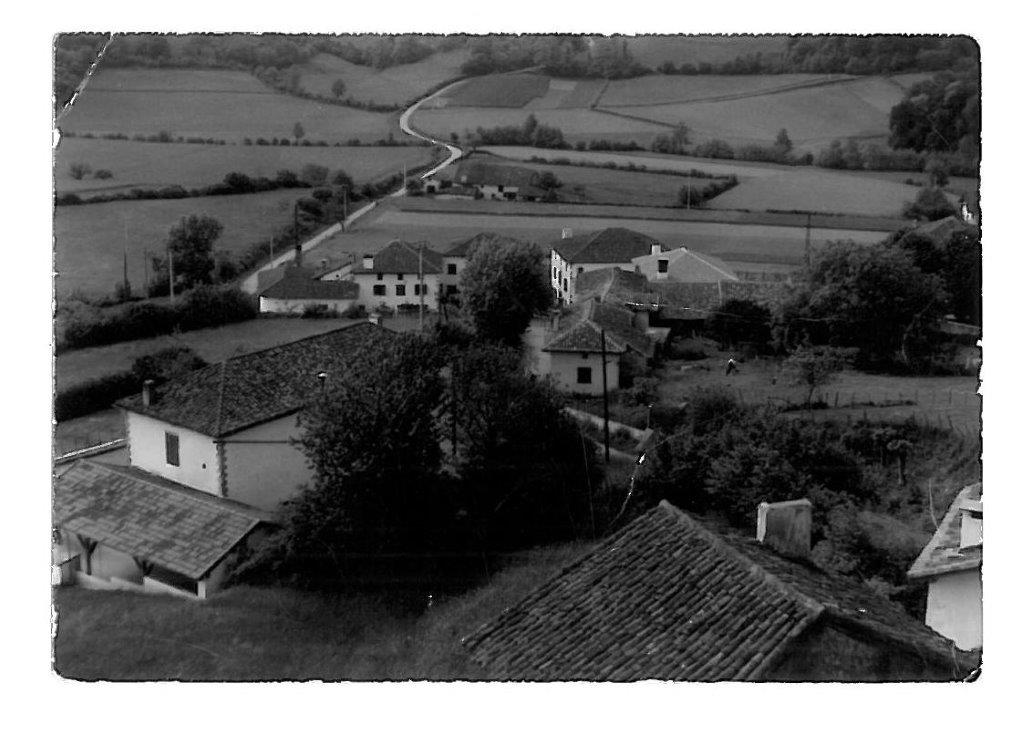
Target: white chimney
(566, 232)
(367, 261)
(970, 524)
(786, 527)
(655, 249)
(148, 392)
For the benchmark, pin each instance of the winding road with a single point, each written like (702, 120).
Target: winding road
(454, 152)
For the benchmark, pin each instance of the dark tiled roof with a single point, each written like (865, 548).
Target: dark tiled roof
(483, 173)
(615, 286)
(939, 230)
(149, 517)
(299, 283)
(669, 597)
(399, 256)
(249, 389)
(583, 336)
(942, 554)
(611, 245)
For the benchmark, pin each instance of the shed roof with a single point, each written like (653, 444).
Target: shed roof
(250, 389)
(672, 597)
(942, 554)
(150, 517)
(300, 283)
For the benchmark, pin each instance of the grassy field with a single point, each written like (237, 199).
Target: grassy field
(943, 401)
(276, 633)
(219, 104)
(764, 186)
(396, 85)
(90, 239)
(659, 89)
(146, 165)
(496, 90)
(734, 242)
(566, 94)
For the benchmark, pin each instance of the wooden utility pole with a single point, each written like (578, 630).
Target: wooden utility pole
(604, 383)
(170, 271)
(421, 287)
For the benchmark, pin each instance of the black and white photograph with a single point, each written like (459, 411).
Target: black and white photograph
(539, 359)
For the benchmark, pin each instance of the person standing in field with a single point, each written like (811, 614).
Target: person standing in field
(731, 367)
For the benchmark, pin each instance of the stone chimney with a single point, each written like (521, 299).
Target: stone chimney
(655, 249)
(148, 392)
(786, 527)
(970, 524)
(367, 261)
(566, 232)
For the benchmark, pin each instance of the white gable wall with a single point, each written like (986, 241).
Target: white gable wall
(198, 467)
(561, 367)
(390, 282)
(954, 607)
(263, 467)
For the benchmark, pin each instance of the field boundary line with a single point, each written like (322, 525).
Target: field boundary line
(745, 95)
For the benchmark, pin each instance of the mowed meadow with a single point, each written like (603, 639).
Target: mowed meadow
(91, 239)
(229, 105)
(761, 186)
(148, 165)
(749, 109)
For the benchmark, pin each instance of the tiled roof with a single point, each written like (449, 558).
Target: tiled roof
(616, 286)
(249, 389)
(581, 331)
(670, 597)
(939, 230)
(942, 554)
(299, 283)
(690, 266)
(483, 173)
(149, 517)
(583, 336)
(611, 245)
(399, 256)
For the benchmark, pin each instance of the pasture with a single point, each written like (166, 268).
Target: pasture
(212, 104)
(496, 90)
(396, 85)
(764, 186)
(658, 89)
(90, 240)
(152, 165)
(652, 50)
(731, 241)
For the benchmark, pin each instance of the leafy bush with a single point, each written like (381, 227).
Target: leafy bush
(103, 174)
(96, 395)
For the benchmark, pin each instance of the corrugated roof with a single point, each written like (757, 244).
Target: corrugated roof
(671, 597)
(399, 256)
(611, 245)
(300, 283)
(150, 517)
(250, 389)
(942, 554)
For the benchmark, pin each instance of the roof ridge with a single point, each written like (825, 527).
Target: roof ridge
(298, 340)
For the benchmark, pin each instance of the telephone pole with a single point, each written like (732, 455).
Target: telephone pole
(604, 383)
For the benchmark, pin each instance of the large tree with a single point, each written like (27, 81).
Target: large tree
(190, 245)
(372, 443)
(504, 286)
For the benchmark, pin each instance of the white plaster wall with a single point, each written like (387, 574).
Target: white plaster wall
(954, 607)
(368, 299)
(460, 266)
(562, 369)
(263, 467)
(110, 563)
(197, 453)
(296, 306)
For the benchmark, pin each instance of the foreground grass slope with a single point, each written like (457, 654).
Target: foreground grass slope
(277, 633)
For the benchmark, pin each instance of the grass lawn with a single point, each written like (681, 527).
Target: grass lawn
(395, 85)
(90, 239)
(275, 633)
(937, 400)
(496, 90)
(212, 104)
(152, 165)
(767, 186)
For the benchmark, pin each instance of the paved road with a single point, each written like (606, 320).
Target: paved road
(454, 152)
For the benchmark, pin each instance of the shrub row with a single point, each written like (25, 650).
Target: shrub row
(96, 395)
(205, 306)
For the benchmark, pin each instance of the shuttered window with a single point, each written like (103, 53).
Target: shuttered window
(171, 446)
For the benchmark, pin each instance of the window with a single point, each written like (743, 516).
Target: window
(400, 290)
(380, 277)
(579, 270)
(452, 269)
(453, 289)
(380, 290)
(554, 274)
(171, 446)
(416, 289)
(662, 265)
(401, 276)
(501, 187)
(583, 374)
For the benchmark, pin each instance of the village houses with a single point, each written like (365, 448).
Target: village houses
(398, 275)
(576, 254)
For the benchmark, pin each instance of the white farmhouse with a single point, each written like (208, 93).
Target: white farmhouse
(577, 254)
(951, 563)
(212, 456)
(395, 275)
